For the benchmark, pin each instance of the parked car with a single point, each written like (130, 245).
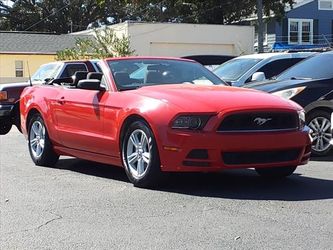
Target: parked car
(211, 62)
(310, 84)
(10, 93)
(161, 121)
(257, 67)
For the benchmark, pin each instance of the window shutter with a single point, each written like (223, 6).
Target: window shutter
(316, 37)
(285, 30)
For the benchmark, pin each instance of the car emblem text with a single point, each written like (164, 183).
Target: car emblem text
(261, 121)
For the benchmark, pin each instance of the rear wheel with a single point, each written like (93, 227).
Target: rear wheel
(5, 127)
(320, 123)
(140, 155)
(276, 172)
(40, 147)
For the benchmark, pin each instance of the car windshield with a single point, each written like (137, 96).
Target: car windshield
(47, 71)
(135, 73)
(235, 68)
(316, 67)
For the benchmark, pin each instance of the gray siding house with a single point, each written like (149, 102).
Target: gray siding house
(307, 23)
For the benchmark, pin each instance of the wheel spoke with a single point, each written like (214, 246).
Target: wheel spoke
(134, 140)
(327, 127)
(33, 142)
(38, 150)
(317, 124)
(140, 167)
(35, 128)
(132, 158)
(146, 157)
(326, 139)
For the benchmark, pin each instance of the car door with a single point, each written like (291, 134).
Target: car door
(79, 116)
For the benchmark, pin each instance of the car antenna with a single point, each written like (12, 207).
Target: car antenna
(29, 73)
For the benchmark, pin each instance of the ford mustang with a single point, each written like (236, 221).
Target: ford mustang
(155, 115)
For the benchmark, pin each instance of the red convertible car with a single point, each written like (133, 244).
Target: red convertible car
(154, 115)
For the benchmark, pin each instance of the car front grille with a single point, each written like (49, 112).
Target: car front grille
(261, 157)
(259, 122)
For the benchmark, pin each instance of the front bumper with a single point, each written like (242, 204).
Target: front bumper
(213, 151)
(6, 110)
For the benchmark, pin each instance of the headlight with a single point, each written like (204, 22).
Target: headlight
(3, 95)
(289, 93)
(301, 119)
(193, 122)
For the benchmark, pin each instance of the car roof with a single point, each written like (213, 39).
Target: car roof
(278, 55)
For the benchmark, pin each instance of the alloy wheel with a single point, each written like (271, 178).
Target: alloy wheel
(138, 153)
(37, 138)
(320, 134)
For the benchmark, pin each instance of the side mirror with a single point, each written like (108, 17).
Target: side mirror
(90, 84)
(258, 77)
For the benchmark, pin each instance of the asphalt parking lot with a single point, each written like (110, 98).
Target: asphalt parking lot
(84, 205)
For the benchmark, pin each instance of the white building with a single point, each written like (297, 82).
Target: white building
(178, 39)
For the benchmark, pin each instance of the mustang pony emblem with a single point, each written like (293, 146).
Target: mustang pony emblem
(261, 121)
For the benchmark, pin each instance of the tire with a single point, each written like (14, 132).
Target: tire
(5, 127)
(40, 146)
(140, 156)
(276, 172)
(320, 123)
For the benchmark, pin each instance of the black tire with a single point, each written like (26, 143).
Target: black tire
(276, 172)
(5, 127)
(312, 116)
(152, 174)
(47, 156)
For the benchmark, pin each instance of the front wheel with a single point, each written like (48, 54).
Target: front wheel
(320, 123)
(40, 146)
(276, 172)
(140, 155)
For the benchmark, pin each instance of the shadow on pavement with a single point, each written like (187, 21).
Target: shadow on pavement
(323, 158)
(242, 184)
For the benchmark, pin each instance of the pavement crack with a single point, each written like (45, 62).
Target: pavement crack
(58, 217)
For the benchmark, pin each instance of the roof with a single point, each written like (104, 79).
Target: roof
(278, 55)
(36, 43)
(298, 4)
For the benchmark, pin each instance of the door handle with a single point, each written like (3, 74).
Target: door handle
(61, 101)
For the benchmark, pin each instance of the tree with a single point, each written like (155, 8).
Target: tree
(62, 16)
(106, 44)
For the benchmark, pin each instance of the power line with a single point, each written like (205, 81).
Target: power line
(53, 13)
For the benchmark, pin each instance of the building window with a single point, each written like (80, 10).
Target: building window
(19, 68)
(300, 31)
(325, 4)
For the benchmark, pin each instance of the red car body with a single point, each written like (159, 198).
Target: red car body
(90, 124)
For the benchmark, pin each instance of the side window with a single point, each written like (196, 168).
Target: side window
(70, 69)
(276, 67)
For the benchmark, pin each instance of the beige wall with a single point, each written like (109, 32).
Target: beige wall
(163, 39)
(7, 65)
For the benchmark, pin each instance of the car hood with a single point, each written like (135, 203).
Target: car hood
(194, 98)
(6, 86)
(275, 85)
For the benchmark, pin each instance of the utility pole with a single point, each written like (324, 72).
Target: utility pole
(260, 27)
